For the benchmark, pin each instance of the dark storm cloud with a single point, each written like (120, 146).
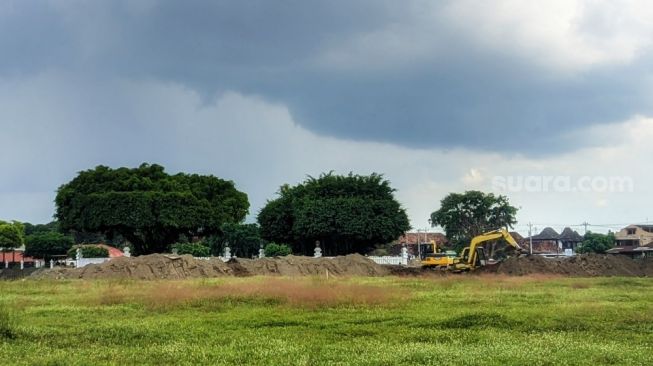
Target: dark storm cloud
(458, 96)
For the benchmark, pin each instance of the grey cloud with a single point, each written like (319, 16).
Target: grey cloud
(459, 95)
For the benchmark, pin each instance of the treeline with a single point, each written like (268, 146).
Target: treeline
(154, 211)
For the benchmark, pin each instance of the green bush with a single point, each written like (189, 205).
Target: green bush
(195, 249)
(277, 250)
(89, 251)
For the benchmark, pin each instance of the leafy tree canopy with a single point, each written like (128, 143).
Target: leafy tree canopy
(466, 215)
(596, 243)
(244, 240)
(147, 206)
(277, 250)
(41, 228)
(12, 235)
(346, 214)
(47, 244)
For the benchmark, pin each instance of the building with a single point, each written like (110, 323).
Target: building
(634, 236)
(549, 242)
(570, 239)
(634, 241)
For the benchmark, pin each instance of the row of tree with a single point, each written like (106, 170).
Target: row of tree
(153, 210)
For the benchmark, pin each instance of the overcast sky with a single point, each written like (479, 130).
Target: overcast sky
(555, 98)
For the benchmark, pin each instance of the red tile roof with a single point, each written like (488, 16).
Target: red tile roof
(14, 256)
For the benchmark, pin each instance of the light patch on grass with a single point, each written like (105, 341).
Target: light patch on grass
(310, 293)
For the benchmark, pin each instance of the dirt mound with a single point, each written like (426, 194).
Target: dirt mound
(350, 265)
(161, 266)
(147, 267)
(582, 265)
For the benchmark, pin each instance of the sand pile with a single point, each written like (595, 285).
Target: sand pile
(350, 265)
(160, 266)
(147, 267)
(582, 265)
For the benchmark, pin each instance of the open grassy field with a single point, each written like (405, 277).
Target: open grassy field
(463, 320)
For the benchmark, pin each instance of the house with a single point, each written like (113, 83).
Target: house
(634, 236)
(570, 239)
(549, 242)
(634, 241)
(546, 242)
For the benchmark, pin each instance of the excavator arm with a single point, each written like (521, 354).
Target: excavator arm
(489, 236)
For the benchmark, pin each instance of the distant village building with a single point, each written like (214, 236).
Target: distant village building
(634, 241)
(634, 236)
(549, 242)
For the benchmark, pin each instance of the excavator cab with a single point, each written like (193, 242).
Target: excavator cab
(480, 259)
(434, 257)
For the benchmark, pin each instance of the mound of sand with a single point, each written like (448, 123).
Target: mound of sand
(582, 265)
(147, 267)
(161, 266)
(350, 265)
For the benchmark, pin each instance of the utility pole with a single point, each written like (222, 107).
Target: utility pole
(426, 237)
(530, 237)
(585, 224)
(419, 247)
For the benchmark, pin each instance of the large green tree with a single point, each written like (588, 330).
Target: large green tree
(244, 240)
(346, 214)
(41, 228)
(47, 244)
(466, 215)
(596, 243)
(12, 235)
(147, 206)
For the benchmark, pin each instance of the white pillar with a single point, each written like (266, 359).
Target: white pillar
(227, 253)
(22, 264)
(404, 256)
(317, 252)
(6, 264)
(51, 263)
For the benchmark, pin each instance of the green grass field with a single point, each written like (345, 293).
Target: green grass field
(462, 320)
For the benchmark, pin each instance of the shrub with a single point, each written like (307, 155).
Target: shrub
(89, 251)
(195, 249)
(277, 250)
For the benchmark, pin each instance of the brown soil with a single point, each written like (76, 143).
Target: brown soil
(147, 267)
(160, 266)
(350, 265)
(583, 265)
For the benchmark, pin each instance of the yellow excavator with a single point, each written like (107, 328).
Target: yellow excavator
(434, 257)
(474, 255)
